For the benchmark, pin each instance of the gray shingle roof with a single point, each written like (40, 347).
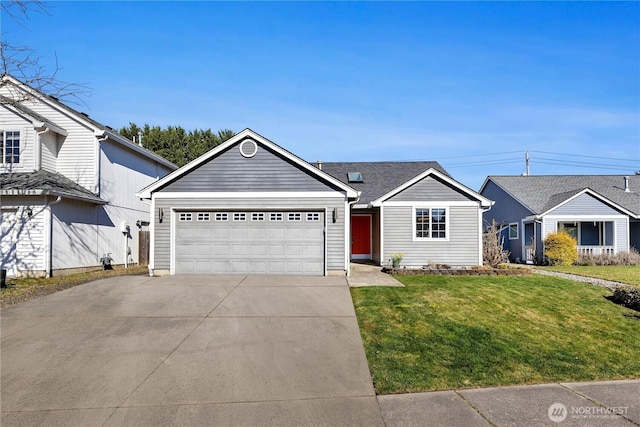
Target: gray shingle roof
(379, 178)
(45, 182)
(541, 193)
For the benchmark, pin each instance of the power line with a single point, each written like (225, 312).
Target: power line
(582, 155)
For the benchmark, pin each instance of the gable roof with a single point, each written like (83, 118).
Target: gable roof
(45, 183)
(382, 180)
(542, 193)
(378, 178)
(146, 192)
(99, 129)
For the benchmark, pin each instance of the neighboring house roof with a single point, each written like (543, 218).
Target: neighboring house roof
(99, 129)
(382, 180)
(378, 178)
(541, 193)
(145, 193)
(47, 183)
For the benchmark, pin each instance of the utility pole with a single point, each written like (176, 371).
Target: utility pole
(526, 162)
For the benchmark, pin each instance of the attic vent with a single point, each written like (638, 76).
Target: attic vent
(354, 177)
(248, 148)
(84, 114)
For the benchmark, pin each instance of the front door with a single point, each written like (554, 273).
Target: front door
(361, 236)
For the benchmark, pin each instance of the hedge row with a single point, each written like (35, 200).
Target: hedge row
(459, 272)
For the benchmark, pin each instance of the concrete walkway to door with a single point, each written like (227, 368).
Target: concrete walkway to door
(187, 350)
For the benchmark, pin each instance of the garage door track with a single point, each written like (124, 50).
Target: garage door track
(187, 350)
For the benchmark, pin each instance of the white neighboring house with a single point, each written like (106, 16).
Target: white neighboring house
(67, 186)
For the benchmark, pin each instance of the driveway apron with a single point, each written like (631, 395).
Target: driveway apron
(187, 350)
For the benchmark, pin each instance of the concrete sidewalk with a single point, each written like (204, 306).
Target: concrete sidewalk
(605, 403)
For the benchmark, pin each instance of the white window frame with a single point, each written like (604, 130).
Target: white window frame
(276, 216)
(221, 216)
(239, 216)
(294, 216)
(517, 228)
(203, 216)
(257, 216)
(185, 216)
(447, 221)
(3, 151)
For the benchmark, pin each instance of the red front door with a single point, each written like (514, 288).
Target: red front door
(361, 236)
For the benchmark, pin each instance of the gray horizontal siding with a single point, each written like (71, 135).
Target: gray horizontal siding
(621, 230)
(230, 171)
(462, 249)
(430, 189)
(335, 231)
(584, 204)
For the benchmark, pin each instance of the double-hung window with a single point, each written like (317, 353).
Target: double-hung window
(430, 223)
(10, 147)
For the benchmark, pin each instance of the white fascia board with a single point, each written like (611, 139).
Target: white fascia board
(249, 195)
(595, 195)
(51, 127)
(443, 203)
(247, 133)
(484, 202)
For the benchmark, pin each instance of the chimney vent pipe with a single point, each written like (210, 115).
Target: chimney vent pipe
(319, 164)
(626, 185)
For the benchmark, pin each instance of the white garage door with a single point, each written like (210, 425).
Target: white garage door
(249, 242)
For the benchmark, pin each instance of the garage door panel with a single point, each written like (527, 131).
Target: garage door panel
(250, 246)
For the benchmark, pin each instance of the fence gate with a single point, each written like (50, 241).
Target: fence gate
(143, 247)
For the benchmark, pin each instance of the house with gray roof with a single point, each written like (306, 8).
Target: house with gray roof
(251, 206)
(602, 212)
(67, 186)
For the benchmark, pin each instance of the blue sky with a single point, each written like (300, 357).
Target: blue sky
(471, 85)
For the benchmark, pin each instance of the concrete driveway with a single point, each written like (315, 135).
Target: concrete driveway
(187, 350)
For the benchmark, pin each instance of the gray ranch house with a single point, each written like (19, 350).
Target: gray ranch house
(602, 212)
(250, 206)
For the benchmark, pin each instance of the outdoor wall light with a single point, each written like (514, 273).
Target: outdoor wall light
(29, 212)
(160, 214)
(335, 214)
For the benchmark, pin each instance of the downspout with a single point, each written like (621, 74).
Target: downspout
(98, 162)
(49, 236)
(38, 148)
(482, 212)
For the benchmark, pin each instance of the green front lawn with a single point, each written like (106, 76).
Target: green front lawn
(618, 273)
(444, 332)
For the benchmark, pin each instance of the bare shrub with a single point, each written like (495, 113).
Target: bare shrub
(631, 257)
(493, 252)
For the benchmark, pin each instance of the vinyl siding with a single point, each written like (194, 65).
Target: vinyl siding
(76, 155)
(621, 228)
(335, 231)
(430, 189)
(230, 171)
(462, 248)
(49, 151)
(584, 204)
(22, 247)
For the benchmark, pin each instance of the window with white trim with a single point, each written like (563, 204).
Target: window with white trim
(222, 216)
(239, 216)
(185, 216)
(431, 223)
(513, 231)
(203, 216)
(275, 216)
(10, 147)
(294, 216)
(257, 216)
(313, 216)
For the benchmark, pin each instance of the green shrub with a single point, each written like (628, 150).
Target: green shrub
(629, 296)
(560, 249)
